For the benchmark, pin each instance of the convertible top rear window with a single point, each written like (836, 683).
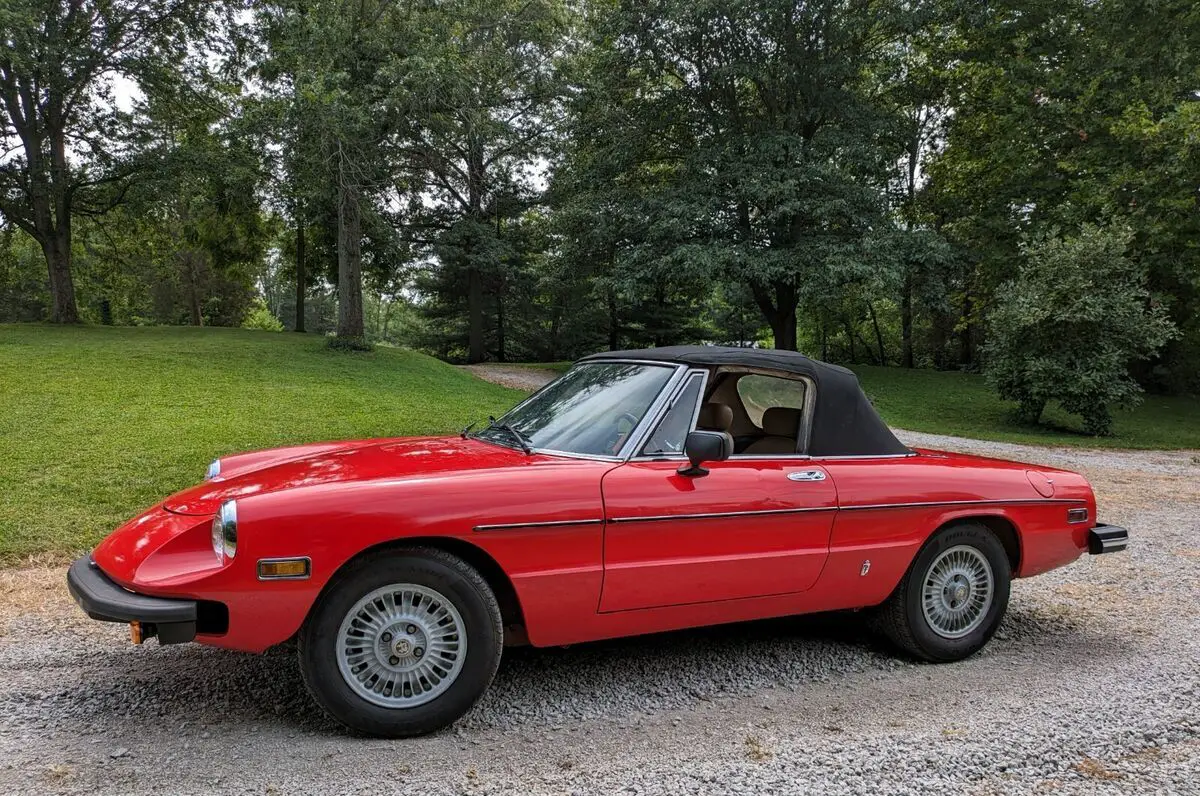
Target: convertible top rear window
(591, 410)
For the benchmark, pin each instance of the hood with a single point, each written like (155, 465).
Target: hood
(261, 472)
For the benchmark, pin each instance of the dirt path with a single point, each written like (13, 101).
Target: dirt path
(1091, 686)
(518, 378)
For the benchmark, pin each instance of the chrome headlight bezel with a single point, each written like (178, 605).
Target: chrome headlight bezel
(224, 531)
(214, 469)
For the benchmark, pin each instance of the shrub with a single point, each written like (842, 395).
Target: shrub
(261, 318)
(1068, 327)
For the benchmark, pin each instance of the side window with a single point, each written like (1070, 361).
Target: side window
(760, 393)
(673, 429)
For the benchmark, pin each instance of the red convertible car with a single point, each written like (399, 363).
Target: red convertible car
(642, 491)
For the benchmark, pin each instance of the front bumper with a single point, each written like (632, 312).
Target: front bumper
(172, 620)
(1107, 539)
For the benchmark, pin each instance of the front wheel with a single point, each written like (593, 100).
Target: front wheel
(402, 644)
(953, 597)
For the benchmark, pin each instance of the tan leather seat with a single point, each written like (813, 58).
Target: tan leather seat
(781, 425)
(715, 417)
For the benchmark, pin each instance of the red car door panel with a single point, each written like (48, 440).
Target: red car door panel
(744, 530)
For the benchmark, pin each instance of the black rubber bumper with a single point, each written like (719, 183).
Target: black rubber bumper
(1107, 539)
(173, 621)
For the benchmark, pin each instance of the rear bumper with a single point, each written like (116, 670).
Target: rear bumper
(173, 621)
(1107, 539)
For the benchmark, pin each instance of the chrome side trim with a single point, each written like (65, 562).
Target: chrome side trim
(508, 526)
(768, 512)
(740, 457)
(716, 514)
(851, 457)
(807, 509)
(931, 503)
(592, 457)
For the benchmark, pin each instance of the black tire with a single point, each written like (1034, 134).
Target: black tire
(902, 617)
(431, 568)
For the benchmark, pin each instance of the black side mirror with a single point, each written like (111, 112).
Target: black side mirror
(705, 446)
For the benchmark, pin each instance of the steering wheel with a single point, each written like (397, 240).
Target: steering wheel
(618, 436)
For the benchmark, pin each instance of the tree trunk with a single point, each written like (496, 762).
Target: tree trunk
(850, 338)
(57, 249)
(500, 326)
(350, 304)
(965, 347)
(906, 324)
(387, 319)
(62, 286)
(780, 311)
(475, 192)
(189, 273)
(783, 326)
(301, 276)
(614, 327)
(189, 262)
(878, 334)
(475, 347)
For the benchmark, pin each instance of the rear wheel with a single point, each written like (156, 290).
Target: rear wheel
(402, 644)
(953, 597)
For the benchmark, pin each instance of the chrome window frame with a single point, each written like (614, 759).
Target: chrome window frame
(642, 456)
(638, 431)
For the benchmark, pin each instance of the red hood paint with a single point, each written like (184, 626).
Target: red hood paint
(267, 471)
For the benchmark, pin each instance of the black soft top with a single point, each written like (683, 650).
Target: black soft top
(844, 422)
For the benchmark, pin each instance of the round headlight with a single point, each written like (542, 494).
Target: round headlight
(224, 531)
(213, 470)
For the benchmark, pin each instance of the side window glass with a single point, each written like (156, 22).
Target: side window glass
(760, 393)
(673, 429)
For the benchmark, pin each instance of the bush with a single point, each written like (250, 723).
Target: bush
(1068, 327)
(261, 318)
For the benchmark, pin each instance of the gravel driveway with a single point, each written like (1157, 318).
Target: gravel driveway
(1091, 686)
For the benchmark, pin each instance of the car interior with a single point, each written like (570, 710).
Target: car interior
(762, 412)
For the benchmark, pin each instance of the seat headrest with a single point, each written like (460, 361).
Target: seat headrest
(715, 417)
(781, 421)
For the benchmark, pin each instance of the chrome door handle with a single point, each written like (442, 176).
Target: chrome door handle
(807, 475)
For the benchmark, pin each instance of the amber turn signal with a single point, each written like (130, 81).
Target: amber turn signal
(283, 568)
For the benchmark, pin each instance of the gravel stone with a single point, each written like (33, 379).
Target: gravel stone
(1090, 687)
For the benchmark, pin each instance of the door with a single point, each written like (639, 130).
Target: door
(754, 526)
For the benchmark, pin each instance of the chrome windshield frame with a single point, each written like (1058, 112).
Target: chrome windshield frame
(636, 435)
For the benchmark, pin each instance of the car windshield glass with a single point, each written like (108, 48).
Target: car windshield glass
(592, 409)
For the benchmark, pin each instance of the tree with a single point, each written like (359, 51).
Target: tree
(480, 99)
(57, 62)
(767, 128)
(1073, 112)
(1068, 327)
(332, 65)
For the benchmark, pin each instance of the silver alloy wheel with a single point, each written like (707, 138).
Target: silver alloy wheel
(957, 592)
(401, 646)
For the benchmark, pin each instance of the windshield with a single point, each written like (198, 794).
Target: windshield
(592, 409)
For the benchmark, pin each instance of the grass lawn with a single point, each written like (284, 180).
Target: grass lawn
(963, 405)
(97, 423)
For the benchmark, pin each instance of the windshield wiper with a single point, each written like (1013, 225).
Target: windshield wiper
(512, 432)
(467, 429)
